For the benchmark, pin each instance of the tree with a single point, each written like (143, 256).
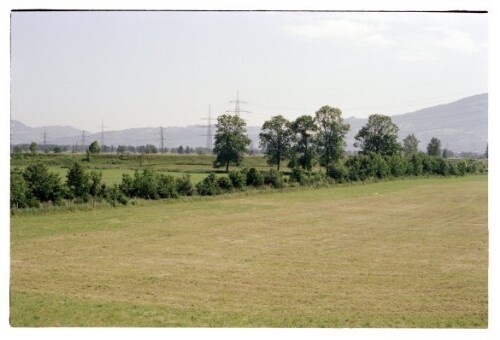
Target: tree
(303, 152)
(150, 149)
(331, 134)
(121, 149)
(379, 135)
(78, 181)
(276, 139)
(42, 184)
(57, 149)
(33, 148)
(231, 141)
(410, 144)
(180, 150)
(447, 153)
(94, 148)
(434, 147)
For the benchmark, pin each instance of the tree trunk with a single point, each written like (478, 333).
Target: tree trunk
(227, 166)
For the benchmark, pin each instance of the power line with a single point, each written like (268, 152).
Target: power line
(209, 127)
(237, 109)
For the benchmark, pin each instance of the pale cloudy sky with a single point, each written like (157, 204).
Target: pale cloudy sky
(138, 69)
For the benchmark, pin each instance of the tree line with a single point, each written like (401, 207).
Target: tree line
(313, 147)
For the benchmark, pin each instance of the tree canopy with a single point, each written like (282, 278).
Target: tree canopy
(410, 144)
(304, 131)
(379, 135)
(331, 134)
(231, 141)
(276, 139)
(434, 147)
(94, 148)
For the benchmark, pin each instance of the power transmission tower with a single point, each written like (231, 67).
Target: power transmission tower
(102, 132)
(162, 140)
(209, 127)
(237, 109)
(84, 135)
(44, 141)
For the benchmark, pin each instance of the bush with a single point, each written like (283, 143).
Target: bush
(273, 178)
(398, 165)
(78, 182)
(225, 184)
(338, 172)
(209, 186)
(298, 175)
(415, 164)
(97, 189)
(254, 178)
(184, 186)
(238, 179)
(43, 185)
(114, 195)
(462, 168)
(166, 186)
(20, 196)
(146, 184)
(127, 185)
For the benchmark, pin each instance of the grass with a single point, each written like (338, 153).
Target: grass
(410, 253)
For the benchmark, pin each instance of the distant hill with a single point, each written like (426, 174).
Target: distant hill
(461, 126)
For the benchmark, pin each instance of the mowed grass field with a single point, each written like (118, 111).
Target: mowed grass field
(408, 253)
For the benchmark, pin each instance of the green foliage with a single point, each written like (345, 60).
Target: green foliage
(57, 149)
(184, 186)
(254, 178)
(78, 182)
(273, 178)
(276, 139)
(121, 149)
(97, 188)
(114, 195)
(20, 196)
(398, 165)
(33, 148)
(238, 179)
(225, 184)
(410, 144)
(167, 186)
(43, 185)
(434, 147)
(379, 135)
(303, 153)
(94, 148)
(209, 186)
(146, 184)
(127, 185)
(331, 133)
(299, 175)
(462, 168)
(338, 172)
(150, 149)
(231, 141)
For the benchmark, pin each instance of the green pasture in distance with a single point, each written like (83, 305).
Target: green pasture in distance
(405, 253)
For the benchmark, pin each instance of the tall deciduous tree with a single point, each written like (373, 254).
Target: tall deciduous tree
(231, 141)
(379, 135)
(331, 134)
(434, 147)
(276, 139)
(410, 144)
(303, 151)
(33, 148)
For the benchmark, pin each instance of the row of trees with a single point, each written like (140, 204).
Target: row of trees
(309, 140)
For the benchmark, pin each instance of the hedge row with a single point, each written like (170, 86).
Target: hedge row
(35, 184)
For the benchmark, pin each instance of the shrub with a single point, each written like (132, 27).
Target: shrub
(462, 167)
(127, 185)
(146, 184)
(166, 186)
(338, 172)
(398, 165)
(184, 186)
(20, 196)
(273, 178)
(238, 179)
(209, 186)
(97, 189)
(298, 175)
(43, 185)
(254, 178)
(415, 164)
(114, 195)
(78, 182)
(224, 184)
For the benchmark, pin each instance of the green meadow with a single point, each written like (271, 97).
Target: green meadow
(403, 253)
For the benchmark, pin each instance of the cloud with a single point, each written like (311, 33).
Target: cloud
(339, 31)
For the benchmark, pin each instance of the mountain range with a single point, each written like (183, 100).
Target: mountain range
(461, 125)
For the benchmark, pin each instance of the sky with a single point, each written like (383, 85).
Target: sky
(150, 69)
